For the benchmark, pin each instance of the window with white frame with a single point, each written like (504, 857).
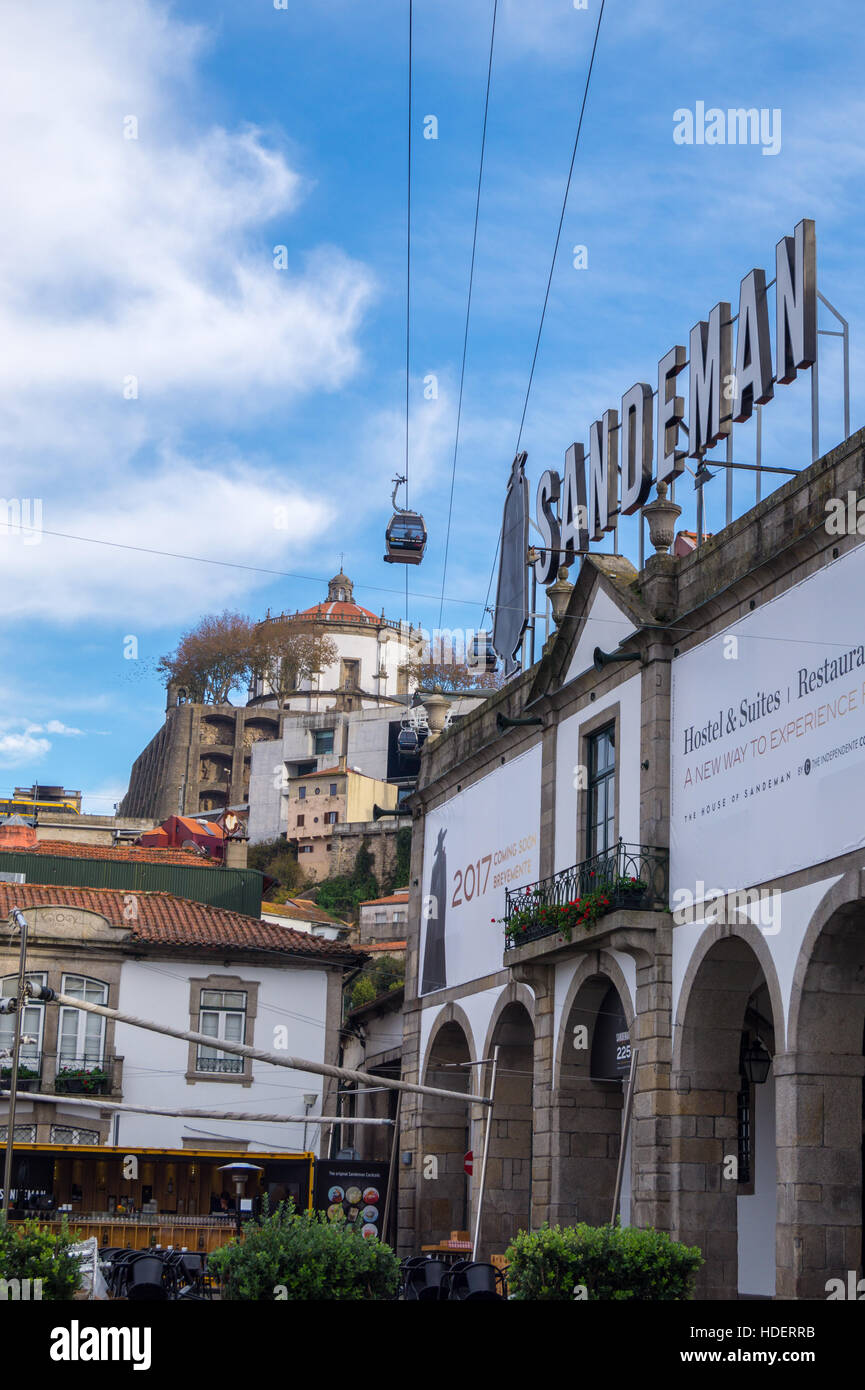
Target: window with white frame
(222, 1015)
(32, 1025)
(80, 1035)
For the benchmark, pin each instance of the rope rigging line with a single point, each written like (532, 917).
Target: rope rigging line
(468, 308)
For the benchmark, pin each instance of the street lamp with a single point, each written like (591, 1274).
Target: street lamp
(756, 1062)
(240, 1172)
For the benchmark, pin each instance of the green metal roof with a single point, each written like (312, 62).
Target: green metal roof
(238, 890)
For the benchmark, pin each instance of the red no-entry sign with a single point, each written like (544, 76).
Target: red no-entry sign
(468, 1162)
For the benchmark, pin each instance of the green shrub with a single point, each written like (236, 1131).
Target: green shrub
(378, 978)
(31, 1251)
(612, 1262)
(364, 992)
(304, 1256)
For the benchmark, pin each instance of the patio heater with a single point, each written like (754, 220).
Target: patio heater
(240, 1172)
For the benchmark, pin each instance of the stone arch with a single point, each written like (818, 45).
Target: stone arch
(754, 938)
(847, 895)
(513, 993)
(587, 1110)
(821, 1101)
(723, 1152)
(596, 963)
(444, 1192)
(508, 1192)
(451, 1013)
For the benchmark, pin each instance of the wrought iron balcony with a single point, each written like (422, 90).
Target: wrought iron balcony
(84, 1076)
(569, 903)
(224, 1066)
(29, 1072)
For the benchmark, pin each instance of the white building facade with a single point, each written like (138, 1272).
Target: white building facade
(697, 800)
(187, 966)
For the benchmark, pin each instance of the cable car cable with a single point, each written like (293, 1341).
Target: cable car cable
(552, 269)
(561, 224)
(468, 307)
(408, 280)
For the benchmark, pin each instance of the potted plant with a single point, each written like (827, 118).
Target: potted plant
(28, 1077)
(627, 888)
(77, 1080)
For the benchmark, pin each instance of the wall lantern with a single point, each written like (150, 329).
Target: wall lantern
(756, 1062)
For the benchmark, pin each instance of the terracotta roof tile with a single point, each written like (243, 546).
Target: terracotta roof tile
(391, 898)
(164, 920)
(127, 854)
(301, 909)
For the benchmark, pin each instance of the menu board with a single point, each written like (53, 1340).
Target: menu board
(353, 1191)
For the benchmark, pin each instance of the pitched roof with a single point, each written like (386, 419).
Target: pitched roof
(391, 898)
(324, 772)
(127, 854)
(165, 920)
(304, 910)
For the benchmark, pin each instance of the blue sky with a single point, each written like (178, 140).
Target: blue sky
(261, 389)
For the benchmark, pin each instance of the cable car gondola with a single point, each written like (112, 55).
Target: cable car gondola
(407, 739)
(405, 537)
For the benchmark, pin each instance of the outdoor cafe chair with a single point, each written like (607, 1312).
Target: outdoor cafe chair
(472, 1279)
(146, 1278)
(423, 1278)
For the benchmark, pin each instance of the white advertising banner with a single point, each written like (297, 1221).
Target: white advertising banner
(768, 737)
(476, 846)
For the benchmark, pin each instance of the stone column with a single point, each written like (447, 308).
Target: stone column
(818, 1235)
(703, 1203)
(651, 1121)
(545, 1130)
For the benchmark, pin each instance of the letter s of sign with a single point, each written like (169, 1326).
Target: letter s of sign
(549, 488)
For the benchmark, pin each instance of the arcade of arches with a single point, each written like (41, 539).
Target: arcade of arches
(747, 1130)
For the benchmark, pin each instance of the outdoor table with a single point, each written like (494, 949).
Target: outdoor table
(455, 1249)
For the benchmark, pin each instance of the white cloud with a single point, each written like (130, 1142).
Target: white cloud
(232, 512)
(149, 258)
(53, 726)
(136, 256)
(16, 749)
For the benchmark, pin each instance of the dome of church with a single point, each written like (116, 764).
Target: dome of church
(339, 606)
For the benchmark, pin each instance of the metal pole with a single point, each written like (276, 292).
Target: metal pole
(486, 1152)
(258, 1054)
(729, 477)
(846, 380)
(16, 1048)
(534, 614)
(107, 1104)
(626, 1125)
(759, 410)
(815, 413)
(700, 512)
(392, 1169)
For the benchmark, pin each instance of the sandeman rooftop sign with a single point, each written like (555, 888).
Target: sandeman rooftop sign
(725, 382)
